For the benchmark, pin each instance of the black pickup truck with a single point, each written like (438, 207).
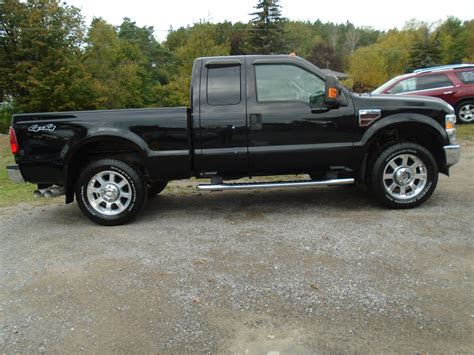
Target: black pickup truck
(249, 116)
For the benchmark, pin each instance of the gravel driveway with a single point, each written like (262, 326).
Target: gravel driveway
(289, 271)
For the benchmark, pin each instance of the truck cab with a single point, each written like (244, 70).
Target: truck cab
(254, 112)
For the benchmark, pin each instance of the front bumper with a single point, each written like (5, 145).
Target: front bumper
(452, 153)
(14, 174)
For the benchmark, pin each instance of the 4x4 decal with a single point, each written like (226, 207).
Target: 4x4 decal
(37, 128)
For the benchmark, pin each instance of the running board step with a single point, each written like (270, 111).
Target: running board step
(273, 185)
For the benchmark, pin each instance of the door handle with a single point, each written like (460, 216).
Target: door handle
(447, 92)
(256, 121)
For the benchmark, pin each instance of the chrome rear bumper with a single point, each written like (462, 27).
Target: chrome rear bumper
(452, 153)
(14, 174)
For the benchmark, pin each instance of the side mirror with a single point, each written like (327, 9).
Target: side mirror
(333, 91)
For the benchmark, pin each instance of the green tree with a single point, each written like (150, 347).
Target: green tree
(232, 35)
(370, 66)
(395, 46)
(115, 76)
(190, 43)
(453, 39)
(469, 28)
(324, 56)
(352, 38)
(301, 37)
(40, 68)
(139, 46)
(425, 52)
(267, 33)
(367, 68)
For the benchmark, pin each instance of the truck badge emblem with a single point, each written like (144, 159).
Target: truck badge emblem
(37, 128)
(367, 116)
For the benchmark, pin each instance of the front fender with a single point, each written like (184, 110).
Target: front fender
(411, 119)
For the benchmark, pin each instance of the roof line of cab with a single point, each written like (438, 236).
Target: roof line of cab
(264, 58)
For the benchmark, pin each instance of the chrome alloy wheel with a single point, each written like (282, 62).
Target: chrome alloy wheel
(466, 113)
(109, 193)
(405, 176)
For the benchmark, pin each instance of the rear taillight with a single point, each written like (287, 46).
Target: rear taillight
(13, 141)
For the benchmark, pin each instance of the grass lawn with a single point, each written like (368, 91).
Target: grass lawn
(465, 132)
(11, 194)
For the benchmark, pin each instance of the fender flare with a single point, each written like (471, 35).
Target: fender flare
(393, 121)
(96, 135)
(403, 119)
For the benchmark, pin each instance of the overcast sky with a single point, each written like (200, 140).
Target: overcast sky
(379, 14)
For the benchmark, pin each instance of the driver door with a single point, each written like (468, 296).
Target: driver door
(286, 133)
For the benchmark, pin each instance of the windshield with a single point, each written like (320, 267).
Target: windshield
(383, 87)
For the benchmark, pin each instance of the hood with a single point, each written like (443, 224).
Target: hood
(403, 102)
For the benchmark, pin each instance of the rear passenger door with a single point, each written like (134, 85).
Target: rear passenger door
(436, 85)
(222, 138)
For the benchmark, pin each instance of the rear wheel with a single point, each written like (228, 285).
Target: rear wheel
(110, 192)
(465, 111)
(404, 175)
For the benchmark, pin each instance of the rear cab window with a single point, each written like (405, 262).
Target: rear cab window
(223, 85)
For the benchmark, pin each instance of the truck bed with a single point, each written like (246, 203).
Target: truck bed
(49, 140)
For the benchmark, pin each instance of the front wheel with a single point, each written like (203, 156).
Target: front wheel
(110, 192)
(404, 175)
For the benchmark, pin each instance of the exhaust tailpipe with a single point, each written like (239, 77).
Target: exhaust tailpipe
(39, 193)
(54, 191)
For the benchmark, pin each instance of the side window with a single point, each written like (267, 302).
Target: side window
(434, 81)
(406, 85)
(467, 77)
(223, 85)
(285, 82)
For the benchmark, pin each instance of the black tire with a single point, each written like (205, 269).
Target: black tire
(394, 154)
(156, 187)
(461, 106)
(135, 190)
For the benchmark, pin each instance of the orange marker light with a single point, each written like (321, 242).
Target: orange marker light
(449, 125)
(332, 93)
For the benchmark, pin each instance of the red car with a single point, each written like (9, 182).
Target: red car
(452, 83)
